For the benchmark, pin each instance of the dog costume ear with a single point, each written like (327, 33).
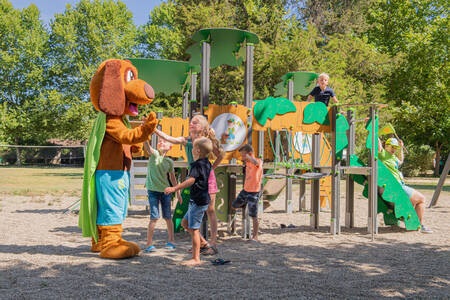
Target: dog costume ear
(112, 96)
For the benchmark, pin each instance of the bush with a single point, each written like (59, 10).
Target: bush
(418, 160)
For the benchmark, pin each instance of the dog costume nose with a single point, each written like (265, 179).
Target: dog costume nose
(149, 91)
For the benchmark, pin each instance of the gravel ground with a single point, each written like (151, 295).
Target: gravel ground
(43, 256)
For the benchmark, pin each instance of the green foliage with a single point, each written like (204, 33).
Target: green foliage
(81, 38)
(22, 74)
(416, 34)
(333, 16)
(385, 51)
(418, 161)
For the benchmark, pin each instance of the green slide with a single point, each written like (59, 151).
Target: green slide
(393, 202)
(180, 210)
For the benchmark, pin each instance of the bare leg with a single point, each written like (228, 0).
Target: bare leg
(211, 212)
(195, 260)
(184, 224)
(170, 230)
(255, 228)
(150, 231)
(418, 201)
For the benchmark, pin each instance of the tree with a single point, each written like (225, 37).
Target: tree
(80, 39)
(23, 111)
(333, 16)
(417, 33)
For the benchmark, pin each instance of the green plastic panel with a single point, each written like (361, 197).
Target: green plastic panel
(369, 137)
(270, 107)
(227, 46)
(304, 82)
(393, 202)
(165, 76)
(222, 196)
(341, 136)
(316, 112)
(180, 210)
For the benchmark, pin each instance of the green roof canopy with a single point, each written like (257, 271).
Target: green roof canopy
(304, 82)
(165, 76)
(227, 46)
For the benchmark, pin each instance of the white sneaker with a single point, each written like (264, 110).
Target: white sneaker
(425, 229)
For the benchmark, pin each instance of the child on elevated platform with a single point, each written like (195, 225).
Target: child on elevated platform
(159, 166)
(252, 186)
(322, 92)
(392, 162)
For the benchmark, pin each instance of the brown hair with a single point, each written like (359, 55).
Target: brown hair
(205, 146)
(246, 148)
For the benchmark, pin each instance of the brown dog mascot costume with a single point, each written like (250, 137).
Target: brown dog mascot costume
(115, 92)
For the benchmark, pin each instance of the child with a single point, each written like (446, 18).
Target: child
(198, 181)
(252, 186)
(323, 93)
(158, 167)
(392, 162)
(199, 127)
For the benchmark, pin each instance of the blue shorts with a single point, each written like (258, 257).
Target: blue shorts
(250, 199)
(112, 192)
(408, 190)
(154, 198)
(195, 214)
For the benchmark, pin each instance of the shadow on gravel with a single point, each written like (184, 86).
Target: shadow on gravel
(257, 270)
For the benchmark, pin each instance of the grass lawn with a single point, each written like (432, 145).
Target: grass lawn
(38, 181)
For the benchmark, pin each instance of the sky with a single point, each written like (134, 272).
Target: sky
(140, 8)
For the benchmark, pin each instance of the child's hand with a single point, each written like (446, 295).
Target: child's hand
(400, 142)
(169, 190)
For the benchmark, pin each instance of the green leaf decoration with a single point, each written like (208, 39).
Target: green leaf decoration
(369, 137)
(341, 136)
(270, 107)
(316, 112)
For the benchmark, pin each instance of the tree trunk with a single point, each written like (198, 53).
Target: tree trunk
(18, 161)
(437, 159)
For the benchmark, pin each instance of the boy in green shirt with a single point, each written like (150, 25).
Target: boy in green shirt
(392, 162)
(158, 167)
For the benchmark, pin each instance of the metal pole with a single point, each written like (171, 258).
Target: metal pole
(204, 80)
(248, 88)
(185, 111)
(349, 183)
(301, 196)
(438, 189)
(288, 197)
(231, 197)
(193, 99)
(315, 184)
(373, 197)
(154, 138)
(335, 224)
(261, 156)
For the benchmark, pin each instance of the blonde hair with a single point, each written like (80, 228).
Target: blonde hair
(205, 146)
(324, 75)
(208, 132)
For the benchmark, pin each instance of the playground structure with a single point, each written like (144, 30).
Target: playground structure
(264, 123)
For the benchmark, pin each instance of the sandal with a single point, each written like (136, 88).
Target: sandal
(202, 248)
(210, 250)
(220, 261)
(150, 249)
